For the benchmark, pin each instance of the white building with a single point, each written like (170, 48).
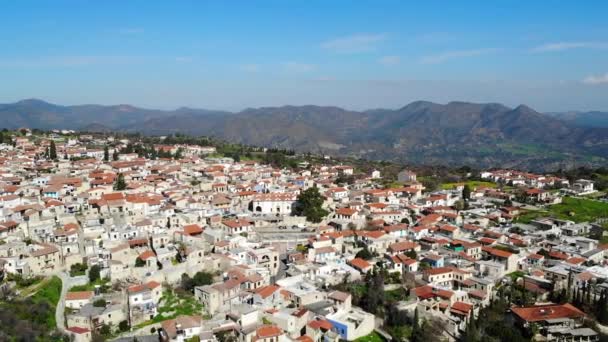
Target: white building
(406, 176)
(274, 203)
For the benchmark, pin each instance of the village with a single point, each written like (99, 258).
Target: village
(186, 244)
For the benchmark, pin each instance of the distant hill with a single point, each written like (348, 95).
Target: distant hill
(584, 119)
(484, 135)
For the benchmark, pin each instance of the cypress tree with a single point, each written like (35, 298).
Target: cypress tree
(120, 183)
(53, 151)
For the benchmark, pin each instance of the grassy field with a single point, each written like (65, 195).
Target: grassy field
(373, 337)
(395, 295)
(174, 304)
(49, 293)
(573, 209)
(472, 185)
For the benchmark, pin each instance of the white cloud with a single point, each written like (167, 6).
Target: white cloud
(599, 79)
(298, 67)
(355, 43)
(446, 56)
(562, 46)
(250, 68)
(390, 60)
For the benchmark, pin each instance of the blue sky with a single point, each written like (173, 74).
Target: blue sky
(551, 55)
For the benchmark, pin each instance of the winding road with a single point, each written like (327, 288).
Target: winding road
(60, 309)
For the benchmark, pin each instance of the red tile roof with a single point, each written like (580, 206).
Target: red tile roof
(360, 264)
(146, 255)
(546, 312)
(267, 291)
(79, 295)
(193, 229)
(267, 331)
(320, 324)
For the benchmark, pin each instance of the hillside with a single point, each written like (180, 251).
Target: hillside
(488, 135)
(584, 119)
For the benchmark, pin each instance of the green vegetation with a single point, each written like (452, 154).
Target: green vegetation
(120, 183)
(364, 254)
(397, 295)
(49, 294)
(310, 204)
(515, 275)
(573, 209)
(78, 269)
(31, 318)
(472, 184)
(53, 151)
(579, 210)
(200, 278)
(23, 282)
(372, 337)
(94, 273)
(139, 262)
(173, 304)
(99, 303)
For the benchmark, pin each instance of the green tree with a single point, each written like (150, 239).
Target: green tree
(120, 183)
(106, 153)
(200, 279)
(179, 153)
(411, 254)
(94, 273)
(99, 303)
(416, 335)
(466, 192)
(471, 334)
(115, 155)
(123, 326)
(310, 204)
(53, 151)
(364, 254)
(139, 262)
(105, 330)
(78, 269)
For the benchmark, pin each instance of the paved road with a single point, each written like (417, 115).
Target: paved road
(60, 310)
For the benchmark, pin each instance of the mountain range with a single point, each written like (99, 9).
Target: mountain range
(457, 133)
(583, 119)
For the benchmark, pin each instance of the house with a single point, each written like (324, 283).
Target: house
(44, 259)
(556, 322)
(406, 176)
(78, 299)
(508, 259)
(237, 226)
(583, 187)
(274, 203)
(352, 324)
(403, 247)
(434, 260)
(361, 265)
(92, 317)
(79, 334)
(181, 328)
(143, 301)
(269, 333)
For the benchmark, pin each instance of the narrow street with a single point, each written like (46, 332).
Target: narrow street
(60, 309)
